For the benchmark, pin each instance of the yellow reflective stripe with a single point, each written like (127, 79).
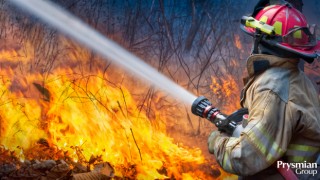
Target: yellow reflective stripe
(265, 143)
(269, 141)
(257, 141)
(278, 27)
(273, 152)
(297, 34)
(299, 159)
(299, 147)
(226, 164)
(300, 153)
(264, 19)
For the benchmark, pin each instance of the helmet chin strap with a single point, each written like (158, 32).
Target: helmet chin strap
(257, 39)
(261, 48)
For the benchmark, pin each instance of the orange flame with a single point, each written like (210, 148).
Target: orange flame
(226, 90)
(83, 115)
(237, 42)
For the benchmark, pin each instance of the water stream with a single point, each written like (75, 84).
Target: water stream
(74, 27)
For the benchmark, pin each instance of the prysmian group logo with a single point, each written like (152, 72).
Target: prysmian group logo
(299, 168)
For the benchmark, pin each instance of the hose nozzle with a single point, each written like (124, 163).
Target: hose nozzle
(203, 107)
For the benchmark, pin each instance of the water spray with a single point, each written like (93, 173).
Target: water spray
(83, 33)
(80, 31)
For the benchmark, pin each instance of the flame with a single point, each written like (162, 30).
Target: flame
(79, 116)
(225, 90)
(237, 42)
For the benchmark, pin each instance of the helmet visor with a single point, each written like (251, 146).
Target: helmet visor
(301, 37)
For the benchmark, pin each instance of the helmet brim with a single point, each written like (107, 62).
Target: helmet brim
(247, 30)
(308, 54)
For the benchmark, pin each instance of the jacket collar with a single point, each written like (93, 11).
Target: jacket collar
(259, 62)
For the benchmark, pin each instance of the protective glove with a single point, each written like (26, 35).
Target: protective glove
(214, 138)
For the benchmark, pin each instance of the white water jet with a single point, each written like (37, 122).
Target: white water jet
(80, 31)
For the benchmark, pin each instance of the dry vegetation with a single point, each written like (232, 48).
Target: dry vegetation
(198, 44)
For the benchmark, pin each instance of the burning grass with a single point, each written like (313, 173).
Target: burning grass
(84, 119)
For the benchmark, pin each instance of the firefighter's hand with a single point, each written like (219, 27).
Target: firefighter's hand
(213, 140)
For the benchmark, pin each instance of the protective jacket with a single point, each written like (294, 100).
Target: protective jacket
(284, 121)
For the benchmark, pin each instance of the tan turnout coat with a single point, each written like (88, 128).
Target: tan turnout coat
(284, 120)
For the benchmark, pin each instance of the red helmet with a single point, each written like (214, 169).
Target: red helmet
(291, 31)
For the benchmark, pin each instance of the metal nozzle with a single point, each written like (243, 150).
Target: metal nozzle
(199, 105)
(203, 107)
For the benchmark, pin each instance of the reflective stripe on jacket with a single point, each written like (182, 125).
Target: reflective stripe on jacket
(284, 119)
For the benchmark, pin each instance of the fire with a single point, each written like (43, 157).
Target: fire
(237, 42)
(226, 90)
(82, 116)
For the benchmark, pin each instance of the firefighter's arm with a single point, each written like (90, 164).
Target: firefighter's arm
(263, 141)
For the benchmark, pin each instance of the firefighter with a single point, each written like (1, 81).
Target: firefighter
(284, 108)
